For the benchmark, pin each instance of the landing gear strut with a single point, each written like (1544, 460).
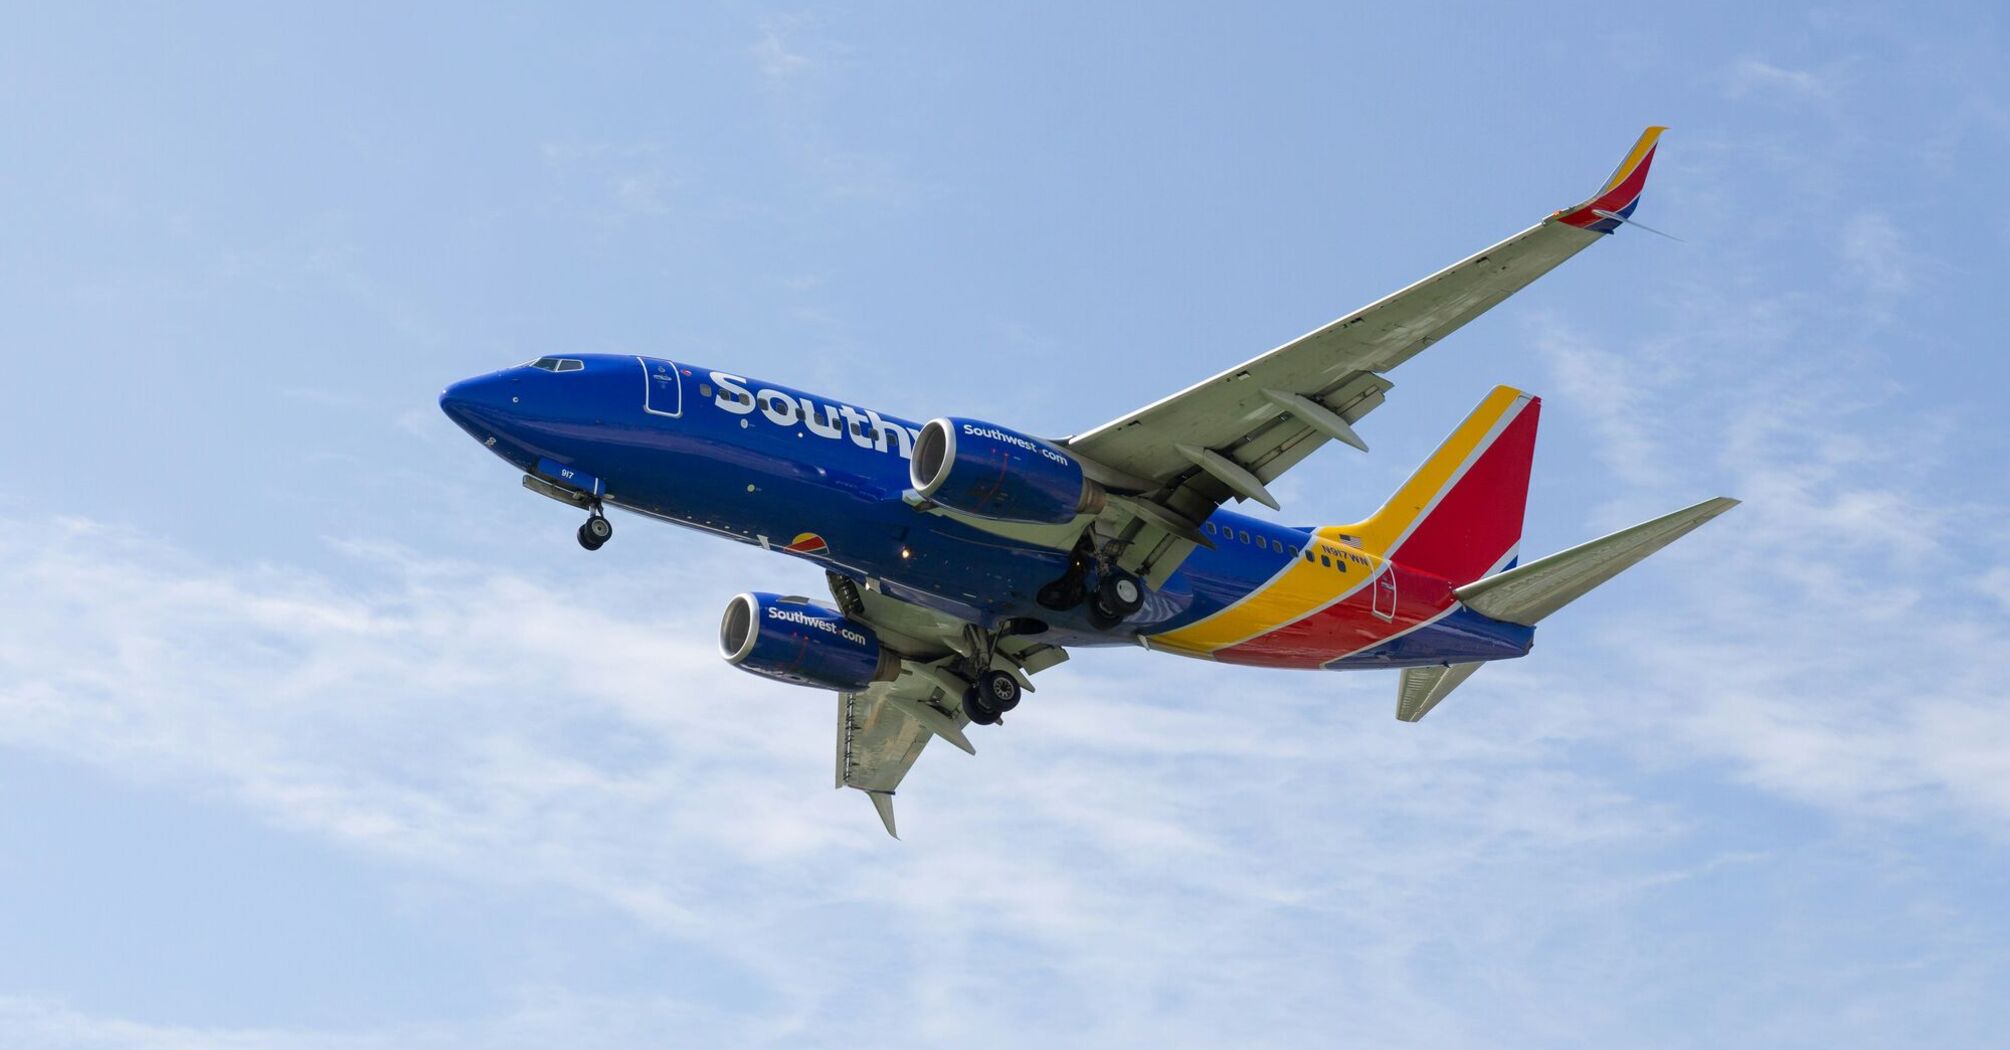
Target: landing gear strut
(595, 530)
(993, 690)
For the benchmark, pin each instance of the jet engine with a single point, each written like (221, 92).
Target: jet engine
(988, 471)
(794, 640)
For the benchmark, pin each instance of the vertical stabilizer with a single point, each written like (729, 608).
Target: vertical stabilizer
(1459, 516)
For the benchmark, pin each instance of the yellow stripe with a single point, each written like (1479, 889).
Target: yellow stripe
(1647, 140)
(1304, 587)
(1297, 591)
(1380, 532)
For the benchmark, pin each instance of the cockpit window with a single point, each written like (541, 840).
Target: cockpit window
(558, 364)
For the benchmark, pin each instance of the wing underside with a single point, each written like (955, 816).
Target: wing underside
(883, 729)
(877, 743)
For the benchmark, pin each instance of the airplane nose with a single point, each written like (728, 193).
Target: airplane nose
(469, 398)
(454, 400)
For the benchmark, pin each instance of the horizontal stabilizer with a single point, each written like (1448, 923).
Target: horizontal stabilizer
(1527, 593)
(1423, 687)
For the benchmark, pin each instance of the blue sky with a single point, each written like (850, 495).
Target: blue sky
(316, 731)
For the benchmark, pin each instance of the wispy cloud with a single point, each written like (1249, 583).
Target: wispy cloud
(630, 179)
(773, 52)
(1751, 75)
(1876, 255)
(1137, 817)
(802, 69)
(1592, 379)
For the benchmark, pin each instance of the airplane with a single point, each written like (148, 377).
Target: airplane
(964, 557)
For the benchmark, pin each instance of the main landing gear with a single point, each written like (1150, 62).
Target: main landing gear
(993, 690)
(596, 530)
(995, 693)
(1114, 596)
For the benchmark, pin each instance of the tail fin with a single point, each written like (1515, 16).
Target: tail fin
(1459, 516)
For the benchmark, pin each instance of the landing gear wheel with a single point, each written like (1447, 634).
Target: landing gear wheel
(1118, 595)
(979, 708)
(594, 532)
(999, 690)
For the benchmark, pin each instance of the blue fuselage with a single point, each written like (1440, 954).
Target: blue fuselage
(824, 480)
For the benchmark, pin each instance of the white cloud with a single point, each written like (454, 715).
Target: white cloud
(1876, 255)
(773, 53)
(1145, 847)
(1753, 75)
(583, 738)
(1996, 584)
(1591, 379)
(1822, 657)
(636, 179)
(540, 1018)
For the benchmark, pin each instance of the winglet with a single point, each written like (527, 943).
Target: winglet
(1616, 201)
(882, 803)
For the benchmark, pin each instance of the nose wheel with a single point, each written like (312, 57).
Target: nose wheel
(595, 531)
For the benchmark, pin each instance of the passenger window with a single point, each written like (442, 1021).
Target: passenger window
(1210, 528)
(1309, 558)
(1326, 561)
(1244, 536)
(1263, 543)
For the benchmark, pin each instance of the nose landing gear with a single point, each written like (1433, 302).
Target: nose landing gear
(596, 530)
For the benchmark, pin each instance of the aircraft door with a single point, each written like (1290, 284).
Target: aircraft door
(1385, 593)
(663, 391)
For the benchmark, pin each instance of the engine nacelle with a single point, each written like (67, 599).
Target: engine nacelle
(986, 470)
(792, 640)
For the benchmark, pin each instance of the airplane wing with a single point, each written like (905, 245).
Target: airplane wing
(882, 729)
(1226, 436)
(878, 739)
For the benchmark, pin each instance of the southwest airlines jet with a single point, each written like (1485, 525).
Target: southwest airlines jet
(964, 556)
